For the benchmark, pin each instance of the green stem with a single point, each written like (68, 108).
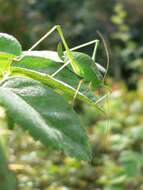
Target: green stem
(3, 164)
(7, 178)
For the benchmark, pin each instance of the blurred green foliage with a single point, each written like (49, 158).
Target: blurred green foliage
(117, 149)
(118, 152)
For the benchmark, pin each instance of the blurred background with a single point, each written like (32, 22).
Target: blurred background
(118, 154)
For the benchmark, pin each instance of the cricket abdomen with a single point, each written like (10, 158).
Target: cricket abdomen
(83, 68)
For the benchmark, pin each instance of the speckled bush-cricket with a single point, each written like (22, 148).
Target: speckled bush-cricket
(80, 63)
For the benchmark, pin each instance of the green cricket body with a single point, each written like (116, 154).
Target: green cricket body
(80, 63)
(84, 68)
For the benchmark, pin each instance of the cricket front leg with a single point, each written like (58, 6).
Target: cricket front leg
(43, 38)
(96, 42)
(61, 68)
(77, 90)
(59, 30)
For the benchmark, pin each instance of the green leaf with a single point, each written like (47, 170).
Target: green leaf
(52, 55)
(47, 62)
(9, 44)
(5, 56)
(46, 115)
(58, 85)
(5, 61)
(132, 162)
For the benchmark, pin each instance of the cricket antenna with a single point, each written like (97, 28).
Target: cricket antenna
(107, 54)
(104, 144)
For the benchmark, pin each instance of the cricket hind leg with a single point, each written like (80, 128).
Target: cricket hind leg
(43, 38)
(60, 32)
(55, 28)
